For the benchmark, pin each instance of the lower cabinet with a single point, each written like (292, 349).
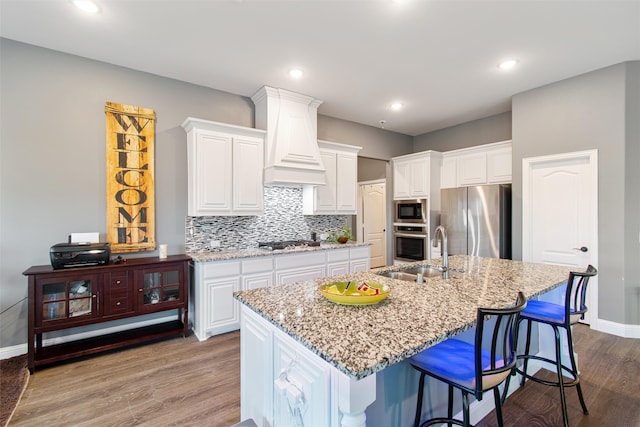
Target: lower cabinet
(278, 379)
(90, 295)
(215, 311)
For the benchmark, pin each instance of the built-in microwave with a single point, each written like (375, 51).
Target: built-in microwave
(414, 210)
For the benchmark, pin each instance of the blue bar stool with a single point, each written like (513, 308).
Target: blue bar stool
(558, 316)
(472, 368)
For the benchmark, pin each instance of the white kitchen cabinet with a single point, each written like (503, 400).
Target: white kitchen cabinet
(359, 259)
(499, 162)
(338, 262)
(291, 268)
(307, 378)
(416, 176)
(472, 169)
(479, 165)
(215, 284)
(449, 172)
(257, 273)
(339, 195)
(225, 164)
(215, 311)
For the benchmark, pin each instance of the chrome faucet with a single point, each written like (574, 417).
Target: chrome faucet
(445, 254)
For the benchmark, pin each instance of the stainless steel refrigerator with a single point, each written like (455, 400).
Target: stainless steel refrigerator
(477, 220)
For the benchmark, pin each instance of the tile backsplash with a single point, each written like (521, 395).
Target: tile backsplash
(282, 220)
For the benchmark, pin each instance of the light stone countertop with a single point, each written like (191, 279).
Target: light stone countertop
(207, 256)
(361, 340)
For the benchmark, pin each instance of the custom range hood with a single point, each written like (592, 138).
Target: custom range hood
(292, 156)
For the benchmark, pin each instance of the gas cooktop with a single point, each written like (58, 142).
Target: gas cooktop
(284, 244)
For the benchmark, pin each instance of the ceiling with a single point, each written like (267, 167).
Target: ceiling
(438, 58)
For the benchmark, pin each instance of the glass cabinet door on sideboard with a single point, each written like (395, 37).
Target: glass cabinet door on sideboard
(66, 299)
(160, 285)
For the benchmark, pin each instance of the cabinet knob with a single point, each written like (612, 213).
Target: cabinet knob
(140, 290)
(94, 296)
(118, 303)
(117, 282)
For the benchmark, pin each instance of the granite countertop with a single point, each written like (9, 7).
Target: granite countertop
(207, 256)
(361, 340)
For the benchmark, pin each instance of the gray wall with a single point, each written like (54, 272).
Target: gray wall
(591, 111)
(598, 110)
(371, 169)
(52, 155)
(477, 132)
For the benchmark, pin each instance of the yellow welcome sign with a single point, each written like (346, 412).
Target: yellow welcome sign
(130, 178)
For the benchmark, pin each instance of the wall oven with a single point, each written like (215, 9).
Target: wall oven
(410, 242)
(412, 211)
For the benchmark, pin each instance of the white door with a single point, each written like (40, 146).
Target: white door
(560, 213)
(374, 220)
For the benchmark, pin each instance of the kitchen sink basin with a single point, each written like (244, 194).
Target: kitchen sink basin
(427, 271)
(410, 274)
(399, 275)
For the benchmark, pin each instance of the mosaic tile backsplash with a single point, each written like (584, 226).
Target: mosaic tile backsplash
(282, 220)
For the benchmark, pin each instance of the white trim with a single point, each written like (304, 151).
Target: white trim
(13, 351)
(527, 164)
(618, 329)
(17, 350)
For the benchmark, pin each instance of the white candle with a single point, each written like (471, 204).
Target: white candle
(163, 251)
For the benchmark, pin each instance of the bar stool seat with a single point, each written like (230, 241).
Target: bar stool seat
(558, 316)
(472, 368)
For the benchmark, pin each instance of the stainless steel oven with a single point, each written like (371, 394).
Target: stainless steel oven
(410, 242)
(412, 211)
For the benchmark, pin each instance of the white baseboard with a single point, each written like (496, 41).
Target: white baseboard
(13, 351)
(17, 350)
(618, 329)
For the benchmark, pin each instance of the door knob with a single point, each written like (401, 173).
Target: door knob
(582, 249)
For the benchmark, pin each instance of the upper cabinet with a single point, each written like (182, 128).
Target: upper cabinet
(484, 164)
(416, 175)
(225, 164)
(339, 195)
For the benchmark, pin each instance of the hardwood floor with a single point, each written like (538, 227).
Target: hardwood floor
(183, 382)
(177, 382)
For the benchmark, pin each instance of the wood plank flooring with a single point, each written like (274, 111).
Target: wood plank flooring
(183, 382)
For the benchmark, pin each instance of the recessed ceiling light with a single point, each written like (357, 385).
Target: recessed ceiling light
(86, 6)
(396, 106)
(296, 73)
(508, 64)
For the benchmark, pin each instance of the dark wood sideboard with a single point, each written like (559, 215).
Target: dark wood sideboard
(81, 296)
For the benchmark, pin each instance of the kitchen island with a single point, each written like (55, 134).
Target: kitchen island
(307, 359)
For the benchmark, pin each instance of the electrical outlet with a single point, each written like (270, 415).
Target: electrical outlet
(214, 244)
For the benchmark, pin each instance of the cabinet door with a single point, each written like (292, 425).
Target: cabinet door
(222, 311)
(325, 195)
(449, 173)
(401, 179)
(300, 274)
(255, 281)
(346, 183)
(247, 185)
(472, 169)
(499, 166)
(160, 287)
(420, 177)
(303, 389)
(210, 181)
(118, 291)
(66, 299)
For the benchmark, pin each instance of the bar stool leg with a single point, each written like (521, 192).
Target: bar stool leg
(465, 409)
(574, 368)
(450, 404)
(526, 352)
(560, 380)
(419, 407)
(498, 403)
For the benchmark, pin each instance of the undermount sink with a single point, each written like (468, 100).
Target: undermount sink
(410, 274)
